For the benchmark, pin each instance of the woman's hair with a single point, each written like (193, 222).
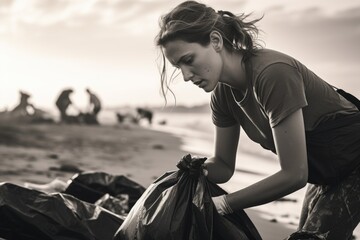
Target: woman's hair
(193, 22)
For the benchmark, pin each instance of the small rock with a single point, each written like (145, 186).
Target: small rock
(158, 146)
(53, 156)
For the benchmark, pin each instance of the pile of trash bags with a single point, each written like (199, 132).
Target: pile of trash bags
(100, 206)
(92, 207)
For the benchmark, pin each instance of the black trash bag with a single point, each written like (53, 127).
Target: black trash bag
(178, 206)
(91, 186)
(32, 215)
(303, 236)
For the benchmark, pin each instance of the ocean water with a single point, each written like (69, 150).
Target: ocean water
(253, 162)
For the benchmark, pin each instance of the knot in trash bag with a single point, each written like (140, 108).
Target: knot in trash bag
(191, 164)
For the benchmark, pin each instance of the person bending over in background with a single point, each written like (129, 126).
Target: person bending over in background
(94, 103)
(280, 104)
(63, 102)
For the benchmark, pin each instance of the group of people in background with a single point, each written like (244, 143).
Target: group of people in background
(63, 103)
(25, 111)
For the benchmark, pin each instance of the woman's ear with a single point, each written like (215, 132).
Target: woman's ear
(216, 40)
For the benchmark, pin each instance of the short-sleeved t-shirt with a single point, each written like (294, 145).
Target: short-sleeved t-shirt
(277, 86)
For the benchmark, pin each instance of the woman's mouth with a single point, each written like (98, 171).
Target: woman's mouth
(199, 83)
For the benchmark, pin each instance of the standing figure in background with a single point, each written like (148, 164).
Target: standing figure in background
(63, 102)
(94, 104)
(24, 108)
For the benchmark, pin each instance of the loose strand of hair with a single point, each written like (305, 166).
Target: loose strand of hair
(165, 83)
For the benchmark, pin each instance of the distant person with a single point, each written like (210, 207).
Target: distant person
(94, 104)
(144, 114)
(313, 128)
(63, 102)
(24, 108)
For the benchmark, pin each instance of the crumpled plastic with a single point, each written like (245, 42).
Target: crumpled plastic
(178, 206)
(29, 214)
(97, 186)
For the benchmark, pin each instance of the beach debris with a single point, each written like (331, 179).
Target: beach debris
(53, 156)
(56, 185)
(162, 122)
(134, 116)
(91, 186)
(293, 224)
(31, 214)
(66, 168)
(158, 146)
(118, 204)
(124, 118)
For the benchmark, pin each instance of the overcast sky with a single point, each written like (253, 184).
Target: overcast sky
(108, 46)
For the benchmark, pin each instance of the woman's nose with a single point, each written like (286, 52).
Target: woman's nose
(187, 74)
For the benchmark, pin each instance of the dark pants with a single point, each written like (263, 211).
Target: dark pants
(331, 212)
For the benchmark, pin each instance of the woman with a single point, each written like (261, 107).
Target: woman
(281, 105)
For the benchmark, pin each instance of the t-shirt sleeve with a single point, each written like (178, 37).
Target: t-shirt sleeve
(221, 114)
(280, 91)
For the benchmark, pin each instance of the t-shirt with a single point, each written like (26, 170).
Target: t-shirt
(278, 85)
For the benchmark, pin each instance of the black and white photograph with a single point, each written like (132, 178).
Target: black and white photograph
(179, 120)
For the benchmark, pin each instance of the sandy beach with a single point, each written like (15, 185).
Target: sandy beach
(41, 153)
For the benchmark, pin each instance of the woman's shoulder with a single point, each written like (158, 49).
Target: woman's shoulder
(263, 58)
(269, 56)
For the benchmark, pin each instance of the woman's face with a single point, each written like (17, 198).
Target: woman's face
(200, 64)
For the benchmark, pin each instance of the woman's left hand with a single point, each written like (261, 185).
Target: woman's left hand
(222, 205)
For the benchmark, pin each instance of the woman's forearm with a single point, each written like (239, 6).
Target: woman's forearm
(266, 190)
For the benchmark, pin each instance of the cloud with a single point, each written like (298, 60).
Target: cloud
(328, 36)
(102, 13)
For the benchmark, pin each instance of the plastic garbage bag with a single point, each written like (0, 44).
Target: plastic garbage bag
(91, 186)
(178, 206)
(32, 215)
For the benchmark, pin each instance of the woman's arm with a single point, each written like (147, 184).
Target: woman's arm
(222, 165)
(289, 138)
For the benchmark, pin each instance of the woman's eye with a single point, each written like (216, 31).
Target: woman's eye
(188, 60)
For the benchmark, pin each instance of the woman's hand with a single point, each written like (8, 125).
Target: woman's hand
(222, 205)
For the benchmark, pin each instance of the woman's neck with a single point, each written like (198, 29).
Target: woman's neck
(234, 74)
